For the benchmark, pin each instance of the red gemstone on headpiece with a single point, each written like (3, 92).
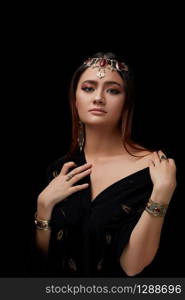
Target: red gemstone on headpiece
(121, 66)
(103, 62)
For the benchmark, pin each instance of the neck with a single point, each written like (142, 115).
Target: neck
(103, 142)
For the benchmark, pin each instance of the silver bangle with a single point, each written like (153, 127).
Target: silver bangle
(156, 209)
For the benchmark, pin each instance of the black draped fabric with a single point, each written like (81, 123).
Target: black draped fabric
(88, 237)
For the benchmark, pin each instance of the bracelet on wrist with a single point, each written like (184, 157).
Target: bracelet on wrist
(42, 224)
(156, 209)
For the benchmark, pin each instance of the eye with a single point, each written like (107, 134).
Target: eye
(114, 91)
(88, 89)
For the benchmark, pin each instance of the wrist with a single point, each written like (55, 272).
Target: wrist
(161, 195)
(44, 210)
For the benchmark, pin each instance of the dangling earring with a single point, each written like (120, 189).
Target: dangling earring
(122, 128)
(81, 135)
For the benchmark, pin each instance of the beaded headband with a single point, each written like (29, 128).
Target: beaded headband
(103, 63)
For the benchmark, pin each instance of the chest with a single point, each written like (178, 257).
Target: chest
(105, 174)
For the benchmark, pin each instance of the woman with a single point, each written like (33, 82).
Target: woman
(103, 209)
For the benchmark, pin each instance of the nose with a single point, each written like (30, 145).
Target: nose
(98, 99)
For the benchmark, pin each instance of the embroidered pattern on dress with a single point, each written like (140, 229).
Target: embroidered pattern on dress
(62, 211)
(99, 265)
(126, 208)
(60, 234)
(72, 264)
(108, 238)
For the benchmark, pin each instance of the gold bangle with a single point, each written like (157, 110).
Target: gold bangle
(42, 224)
(156, 209)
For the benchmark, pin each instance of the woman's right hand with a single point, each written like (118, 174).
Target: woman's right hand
(59, 188)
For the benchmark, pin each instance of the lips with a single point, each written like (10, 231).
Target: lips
(97, 109)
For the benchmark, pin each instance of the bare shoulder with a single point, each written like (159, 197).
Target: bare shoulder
(142, 150)
(148, 155)
(144, 155)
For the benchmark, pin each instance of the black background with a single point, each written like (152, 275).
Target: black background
(40, 59)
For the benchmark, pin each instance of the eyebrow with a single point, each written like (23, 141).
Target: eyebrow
(106, 82)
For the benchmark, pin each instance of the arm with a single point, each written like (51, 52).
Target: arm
(145, 237)
(43, 236)
(57, 190)
(144, 241)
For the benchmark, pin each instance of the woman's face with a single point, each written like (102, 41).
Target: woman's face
(107, 93)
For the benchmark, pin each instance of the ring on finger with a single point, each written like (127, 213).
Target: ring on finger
(163, 157)
(69, 176)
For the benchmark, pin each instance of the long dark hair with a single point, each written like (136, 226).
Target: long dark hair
(127, 114)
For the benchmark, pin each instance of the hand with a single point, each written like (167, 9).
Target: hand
(58, 189)
(163, 175)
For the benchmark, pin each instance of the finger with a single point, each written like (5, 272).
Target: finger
(79, 187)
(161, 154)
(82, 168)
(172, 162)
(156, 158)
(66, 167)
(151, 163)
(79, 176)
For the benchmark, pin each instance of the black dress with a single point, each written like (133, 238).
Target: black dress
(88, 237)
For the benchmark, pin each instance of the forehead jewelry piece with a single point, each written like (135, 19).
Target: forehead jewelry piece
(105, 63)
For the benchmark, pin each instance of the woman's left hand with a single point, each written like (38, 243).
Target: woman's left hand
(163, 174)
